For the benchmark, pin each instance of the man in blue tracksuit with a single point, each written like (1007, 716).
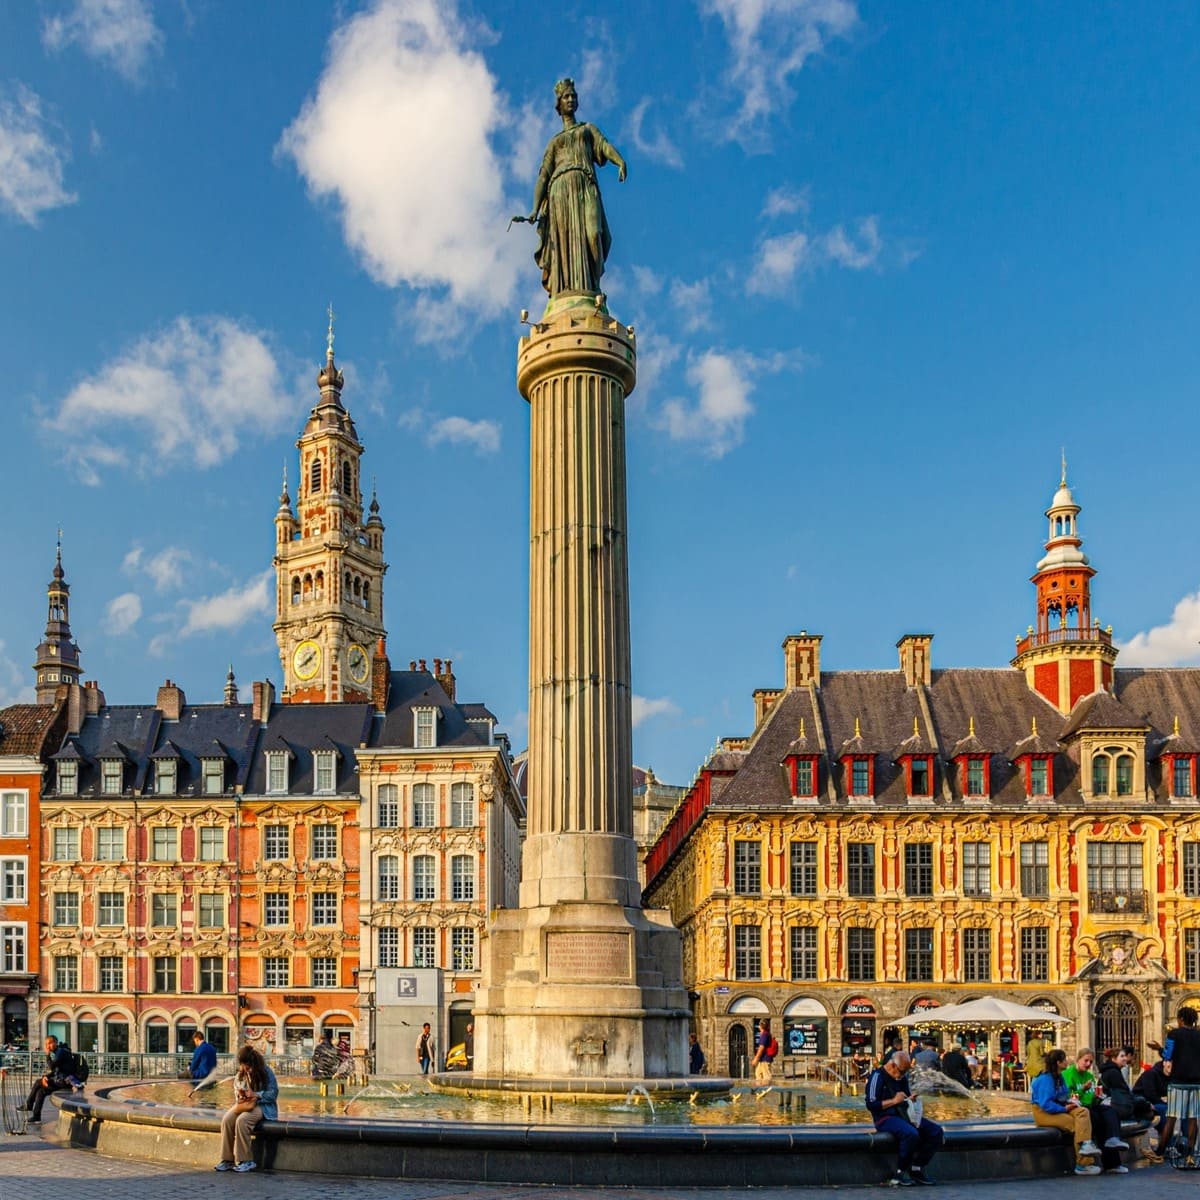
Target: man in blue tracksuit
(888, 1094)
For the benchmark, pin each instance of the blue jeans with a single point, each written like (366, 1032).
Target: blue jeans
(916, 1144)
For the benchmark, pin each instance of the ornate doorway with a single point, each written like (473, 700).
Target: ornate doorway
(739, 1059)
(1118, 1022)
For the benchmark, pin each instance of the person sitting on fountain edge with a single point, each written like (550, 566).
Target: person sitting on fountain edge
(204, 1058)
(889, 1101)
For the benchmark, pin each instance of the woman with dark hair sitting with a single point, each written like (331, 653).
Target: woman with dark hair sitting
(255, 1092)
(1054, 1105)
(1106, 1125)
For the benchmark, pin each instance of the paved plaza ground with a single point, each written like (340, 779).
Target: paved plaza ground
(34, 1167)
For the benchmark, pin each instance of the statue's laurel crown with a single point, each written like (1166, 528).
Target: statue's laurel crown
(563, 86)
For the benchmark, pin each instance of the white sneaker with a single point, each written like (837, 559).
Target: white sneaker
(1115, 1143)
(1122, 1170)
(1089, 1147)
(248, 1165)
(1087, 1170)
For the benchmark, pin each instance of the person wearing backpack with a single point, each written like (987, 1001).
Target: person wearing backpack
(766, 1048)
(59, 1061)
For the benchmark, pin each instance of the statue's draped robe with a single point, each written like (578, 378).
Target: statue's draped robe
(573, 236)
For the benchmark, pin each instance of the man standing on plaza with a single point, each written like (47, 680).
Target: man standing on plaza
(425, 1048)
(1181, 1056)
(889, 1101)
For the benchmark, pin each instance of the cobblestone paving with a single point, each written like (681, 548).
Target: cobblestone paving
(34, 1167)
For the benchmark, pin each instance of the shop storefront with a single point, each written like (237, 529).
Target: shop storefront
(805, 1029)
(858, 1026)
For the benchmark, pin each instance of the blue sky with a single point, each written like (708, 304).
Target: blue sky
(885, 261)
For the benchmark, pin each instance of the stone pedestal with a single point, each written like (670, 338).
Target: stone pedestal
(580, 981)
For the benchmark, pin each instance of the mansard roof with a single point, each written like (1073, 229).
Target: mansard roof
(1101, 710)
(307, 729)
(458, 724)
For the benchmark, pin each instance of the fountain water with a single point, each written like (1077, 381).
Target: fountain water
(639, 1093)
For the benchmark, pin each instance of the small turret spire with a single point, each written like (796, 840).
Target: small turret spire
(231, 688)
(1063, 480)
(329, 342)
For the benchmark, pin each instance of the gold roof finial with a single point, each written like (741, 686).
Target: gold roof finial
(1175, 731)
(857, 728)
(916, 729)
(329, 342)
(1034, 728)
(1063, 481)
(802, 733)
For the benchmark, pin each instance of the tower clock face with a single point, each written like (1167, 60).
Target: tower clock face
(306, 660)
(357, 663)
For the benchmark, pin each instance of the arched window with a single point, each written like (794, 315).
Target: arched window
(319, 590)
(347, 479)
(314, 476)
(367, 594)
(308, 586)
(357, 588)
(462, 877)
(295, 589)
(424, 877)
(1125, 775)
(1058, 526)
(424, 804)
(1100, 774)
(389, 878)
(462, 805)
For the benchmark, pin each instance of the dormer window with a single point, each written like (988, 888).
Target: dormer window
(165, 776)
(975, 776)
(213, 778)
(804, 777)
(112, 776)
(1112, 768)
(277, 772)
(68, 777)
(920, 775)
(425, 728)
(1182, 768)
(1040, 782)
(859, 773)
(324, 773)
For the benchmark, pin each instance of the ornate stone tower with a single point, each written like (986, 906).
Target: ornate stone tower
(329, 564)
(580, 981)
(1066, 656)
(57, 654)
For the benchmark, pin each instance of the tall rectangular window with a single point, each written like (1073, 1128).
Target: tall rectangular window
(165, 974)
(462, 949)
(13, 885)
(324, 908)
(387, 800)
(1181, 777)
(277, 972)
(424, 946)
(1035, 869)
(1039, 777)
(804, 951)
(212, 843)
(977, 869)
(389, 877)
(324, 842)
(806, 781)
(1191, 955)
(462, 805)
(1191, 868)
(276, 843)
(975, 782)
(165, 776)
(67, 773)
(14, 819)
(12, 949)
(277, 772)
(860, 868)
(860, 953)
(424, 805)
(110, 844)
(462, 877)
(111, 975)
(110, 908)
(918, 868)
(802, 868)
(325, 773)
(747, 868)
(324, 972)
(66, 908)
(213, 778)
(164, 844)
(65, 845)
(164, 910)
(424, 877)
(860, 777)
(276, 909)
(66, 972)
(424, 728)
(977, 955)
(112, 776)
(212, 974)
(919, 769)
(387, 947)
(1035, 954)
(210, 910)
(747, 952)
(918, 955)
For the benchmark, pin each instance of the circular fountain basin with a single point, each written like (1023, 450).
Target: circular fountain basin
(751, 1139)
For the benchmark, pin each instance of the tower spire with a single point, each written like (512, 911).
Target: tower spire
(57, 659)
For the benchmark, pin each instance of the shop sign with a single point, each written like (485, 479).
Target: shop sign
(925, 1004)
(806, 1037)
(299, 1001)
(859, 1007)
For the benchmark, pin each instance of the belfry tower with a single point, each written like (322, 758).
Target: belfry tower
(329, 564)
(1067, 656)
(57, 654)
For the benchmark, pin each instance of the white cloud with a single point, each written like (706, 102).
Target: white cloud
(123, 613)
(1172, 644)
(231, 608)
(648, 281)
(15, 687)
(118, 33)
(597, 83)
(644, 708)
(785, 200)
(657, 146)
(770, 41)
(656, 354)
(32, 154)
(692, 303)
(717, 418)
(165, 568)
(399, 135)
(484, 436)
(188, 393)
(778, 261)
(840, 248)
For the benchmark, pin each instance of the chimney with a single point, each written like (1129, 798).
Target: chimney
(170, 701)
(412, 664)
(446, 677)
(263, 692)
(381, 674)
(75, 707)
(802, 660)
(93, 698)
(914, 659)
(421, 665)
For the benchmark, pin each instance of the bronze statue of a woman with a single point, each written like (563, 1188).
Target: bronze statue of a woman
(573, 236)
